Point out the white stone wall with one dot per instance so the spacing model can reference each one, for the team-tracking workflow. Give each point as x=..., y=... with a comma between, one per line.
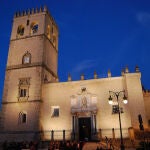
x=43, y=62
x=11, y=89
x=135, y=95
x=11, y=118
x=59, y=94
x=50, y=21
x=18, y=48
x=50, y=56
x=147, y=104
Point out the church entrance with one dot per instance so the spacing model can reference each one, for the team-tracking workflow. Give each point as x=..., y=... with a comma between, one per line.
x=85, y=129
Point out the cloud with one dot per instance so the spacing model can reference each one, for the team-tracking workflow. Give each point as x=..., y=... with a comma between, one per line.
x=84, y=65
x=143, y=18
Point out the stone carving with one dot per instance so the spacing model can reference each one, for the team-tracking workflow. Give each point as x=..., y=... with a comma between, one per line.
x=83, y=101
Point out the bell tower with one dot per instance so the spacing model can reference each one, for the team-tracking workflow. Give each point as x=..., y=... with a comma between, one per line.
x=32, y=60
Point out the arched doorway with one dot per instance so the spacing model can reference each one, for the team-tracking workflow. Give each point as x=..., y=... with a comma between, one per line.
x=84, y=110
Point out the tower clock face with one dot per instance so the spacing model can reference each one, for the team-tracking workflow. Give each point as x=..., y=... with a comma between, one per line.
x=26, y=59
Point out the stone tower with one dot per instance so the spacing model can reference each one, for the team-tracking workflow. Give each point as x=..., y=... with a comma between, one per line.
x=32, y=60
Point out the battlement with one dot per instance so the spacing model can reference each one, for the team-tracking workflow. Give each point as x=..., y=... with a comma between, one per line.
x=109, y=75
x=35, y=11
x=31, y=12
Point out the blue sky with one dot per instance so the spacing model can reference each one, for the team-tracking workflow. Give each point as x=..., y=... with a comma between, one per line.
x=94, y=35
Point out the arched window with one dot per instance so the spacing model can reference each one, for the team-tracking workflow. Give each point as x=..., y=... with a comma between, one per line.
x=34, y=28
x=26, y=58
x=22, y=117
x=20, y=30
x=48, y=32
x=54, y=40
x=23, y=89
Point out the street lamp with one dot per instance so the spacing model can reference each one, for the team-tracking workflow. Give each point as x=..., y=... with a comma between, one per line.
x=117, y=95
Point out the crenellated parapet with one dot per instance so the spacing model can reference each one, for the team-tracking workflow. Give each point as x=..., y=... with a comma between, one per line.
x=109, y=74
x=31, y=11
x=34, y=11
x=126, y=70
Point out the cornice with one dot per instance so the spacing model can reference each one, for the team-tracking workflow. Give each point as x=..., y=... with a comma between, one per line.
x=32, y=36
x=27, y=101
x=37, y=64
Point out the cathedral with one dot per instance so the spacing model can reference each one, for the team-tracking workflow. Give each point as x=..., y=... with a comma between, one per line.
x=35, y=105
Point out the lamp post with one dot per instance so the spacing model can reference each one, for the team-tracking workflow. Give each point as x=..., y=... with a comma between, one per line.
x=118, y=95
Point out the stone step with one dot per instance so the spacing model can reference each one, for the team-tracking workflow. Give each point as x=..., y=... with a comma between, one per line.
x=92, y=146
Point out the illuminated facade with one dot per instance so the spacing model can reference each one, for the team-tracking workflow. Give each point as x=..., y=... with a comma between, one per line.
x=36, y=105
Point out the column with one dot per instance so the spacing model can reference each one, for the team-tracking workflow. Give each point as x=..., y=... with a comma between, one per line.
x=100, y=133
x=95, y=128
x=93, y=119
x=131, y=133
x=73, y=127
x=52, y=135
x=113, y=133
x=63, y=135
x=92, y=124
x=76, y=127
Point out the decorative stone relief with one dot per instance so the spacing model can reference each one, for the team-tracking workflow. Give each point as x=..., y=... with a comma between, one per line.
x=83, y=101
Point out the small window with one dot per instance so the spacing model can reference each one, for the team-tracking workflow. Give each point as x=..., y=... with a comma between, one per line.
x=20, y=30
x=22, y=117
x=52, y=29
x=48, y=32
x=26, y=58
x=54, y=41
x=23, y=93
x=28, y=21
x=34, y=28
x=55, y=111
x=115, y=109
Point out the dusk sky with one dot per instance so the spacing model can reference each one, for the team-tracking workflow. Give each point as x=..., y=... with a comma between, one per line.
x=94, y=35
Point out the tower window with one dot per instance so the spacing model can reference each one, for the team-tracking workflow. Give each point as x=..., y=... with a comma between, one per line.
x=48, y=32
x=23, y=92
x=22, y=117
x=52, y=30
x=20, y=30
x=24, y=84
x=54, y=41
x=26, y=58
x=34, y=28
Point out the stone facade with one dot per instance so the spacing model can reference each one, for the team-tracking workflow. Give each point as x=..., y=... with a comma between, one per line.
x=147, y=104
x=36, y=106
